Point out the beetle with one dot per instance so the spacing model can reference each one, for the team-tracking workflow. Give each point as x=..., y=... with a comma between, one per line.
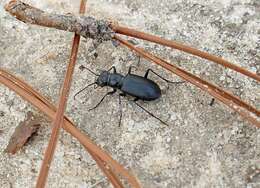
x=139, y=87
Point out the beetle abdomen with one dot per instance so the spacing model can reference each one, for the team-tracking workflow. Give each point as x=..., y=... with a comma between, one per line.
x=140, y=87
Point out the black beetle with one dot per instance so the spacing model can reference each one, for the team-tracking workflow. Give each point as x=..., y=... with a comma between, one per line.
x=131, y=84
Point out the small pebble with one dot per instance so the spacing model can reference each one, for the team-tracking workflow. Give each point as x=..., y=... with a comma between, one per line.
x=222, y=78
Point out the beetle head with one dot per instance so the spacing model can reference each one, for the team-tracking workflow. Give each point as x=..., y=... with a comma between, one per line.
x=102, y=79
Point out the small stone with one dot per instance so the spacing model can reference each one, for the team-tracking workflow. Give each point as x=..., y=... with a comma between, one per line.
x=222, y=78
x=173, y=117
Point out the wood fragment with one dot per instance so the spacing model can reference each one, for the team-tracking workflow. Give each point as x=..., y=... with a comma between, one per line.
x=85, y=26
x=23, y=132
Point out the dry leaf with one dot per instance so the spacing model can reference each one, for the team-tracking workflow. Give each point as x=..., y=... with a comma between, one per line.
x=22, y=133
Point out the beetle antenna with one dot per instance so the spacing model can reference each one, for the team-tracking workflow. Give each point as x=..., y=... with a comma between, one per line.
x=83, y=90
x=83, y=67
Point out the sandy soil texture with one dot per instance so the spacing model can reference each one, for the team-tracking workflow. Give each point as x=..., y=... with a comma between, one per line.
x=204, y=146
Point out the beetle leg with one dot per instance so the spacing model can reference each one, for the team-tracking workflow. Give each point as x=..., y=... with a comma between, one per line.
x=151, y=114
x=168, y=81
x=120, y=110
x=114, y=69
x=212, y=102
x=130, y=69
x=108, y=93
x=139, y=59
x=136, y=99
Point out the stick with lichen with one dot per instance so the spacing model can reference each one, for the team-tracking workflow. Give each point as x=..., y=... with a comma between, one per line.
x=85, y=26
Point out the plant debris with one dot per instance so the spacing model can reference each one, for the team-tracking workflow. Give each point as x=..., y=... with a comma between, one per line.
x=85, y=26
x=22, y=133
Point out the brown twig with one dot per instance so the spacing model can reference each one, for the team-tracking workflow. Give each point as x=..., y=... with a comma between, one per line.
x=152, y=38
x=30, y=95
x=85, y=26
x=107, y=171
x=245, y=110
x=58, y=121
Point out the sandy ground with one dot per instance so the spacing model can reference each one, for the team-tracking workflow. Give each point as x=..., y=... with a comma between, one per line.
x=204, y=146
